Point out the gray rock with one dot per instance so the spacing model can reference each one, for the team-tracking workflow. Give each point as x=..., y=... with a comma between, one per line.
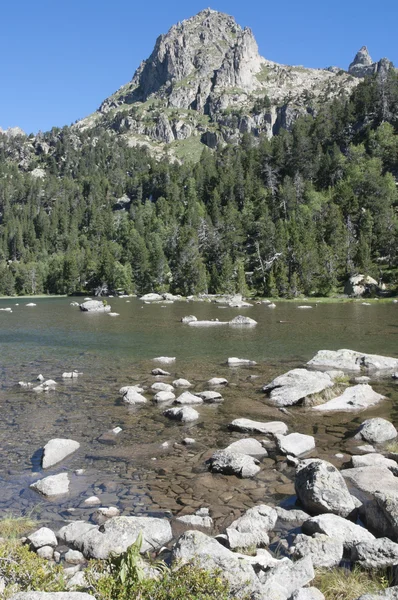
x=210, y=555
x=376, y=431
x=388, y=594
x=350, y=360
x=288, y=575
x=152, y=297
x=133, y=397
x=189, y=441
x=381, y=513
x=217, y=381
x=241, y=320
x=215, y=323
x=94, y=306
x=166, y=360
x=368, y=480
x=54, y=485
x=238, y=362
x=310, y=593
x=295, y=444
x=248, y=446
x=233, y=463
x=46, y=552
x=52, y=596
x=248, y=426
x=353, y=398
x=185, y=414
x=291, y=516
x=337, y=528
x=297, y=385
x=182, y=383
x=78, y=580
x=159, y=386
x=103, y=513
x=131, y=388
x=375, y=554
x=160, y=372
x=164, y=397
x=321, y=489
x=42, y=537
x=373, y=460
x=73, y=533
x=189, y=319
x=196, y=520
x=117, y=534
x=210, y=397
x=56, y=450
x=74, y=557
x=252, y=528
x=324, y=551
x=186, y=399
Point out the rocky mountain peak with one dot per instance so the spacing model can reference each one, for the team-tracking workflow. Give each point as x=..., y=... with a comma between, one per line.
x=362, y=57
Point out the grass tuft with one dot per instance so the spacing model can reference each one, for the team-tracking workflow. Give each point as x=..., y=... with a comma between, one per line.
x=12, y=527
x=342, y=584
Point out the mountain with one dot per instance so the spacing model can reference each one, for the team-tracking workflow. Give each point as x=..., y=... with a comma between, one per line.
x=205, y=83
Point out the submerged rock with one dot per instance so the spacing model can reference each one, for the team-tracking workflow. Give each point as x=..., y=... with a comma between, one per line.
x=210, y=397
x=233, y=463
x=237, y=362
x=56, y=450
x=183, y=383
x=189, y=319
x=217, y=381
x=160, y=372
x=321, y=488
x=165, y=359
x=164, y=397
x=162, y=387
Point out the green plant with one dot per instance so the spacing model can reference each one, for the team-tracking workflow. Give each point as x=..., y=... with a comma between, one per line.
x=340, y=583
x=12, y=527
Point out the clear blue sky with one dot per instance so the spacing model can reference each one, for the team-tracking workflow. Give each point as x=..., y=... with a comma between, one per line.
x=61, y=58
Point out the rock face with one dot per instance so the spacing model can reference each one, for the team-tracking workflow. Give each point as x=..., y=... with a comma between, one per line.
x=363, y=66
x=321, y=489
x=350, y=360
x=296, y=385
x=357, y=397
x=55, y=485
x=357, y=285
x=233, y=463
x=56, y=450
x=94, y=306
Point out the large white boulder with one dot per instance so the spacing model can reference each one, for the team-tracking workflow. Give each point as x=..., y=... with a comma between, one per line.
x=296, y=385
x=357, y=397
x=94, y=306
x=248, y=426
x=56, y=450
x=54, y=485
x=351, y=360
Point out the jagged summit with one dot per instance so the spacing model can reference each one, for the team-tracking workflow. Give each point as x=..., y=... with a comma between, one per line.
x=206, y=83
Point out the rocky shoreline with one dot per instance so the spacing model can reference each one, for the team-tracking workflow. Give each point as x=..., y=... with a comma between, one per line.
x=341, y=516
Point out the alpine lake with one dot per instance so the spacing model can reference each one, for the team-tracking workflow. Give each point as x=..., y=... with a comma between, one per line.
x=138, y=472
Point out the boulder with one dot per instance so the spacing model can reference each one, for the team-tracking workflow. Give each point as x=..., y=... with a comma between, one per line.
x=387, y=594
x=233, y=463
x=164, y=397
x=132, y=397
x=196, y=520
x=56, y=450
x=73, y=533
x=249, y=446
x=152, y=298
x=189, y=319
x=238, y=362
x=241, y=320
x=350, y=360
x=42, y=537
x=287, y=576
x=373, y=460
x=357, y=285
x=251, y=529
x=375, y=554
x=337, y=528
x=354, y=398
x=185, y=414
x=376, y=431
x=46, y=552
x=217, y=381
x=54, y=485
x=186, y=398
x=210, y=397
x=295, y=444
x=131, y=388
x=160, y=386
x=308, y=593
x=118, y=533
x=369, y=480
x=167, y=360
x=160, y=372
x=209, y=554
x=291, y=515
x=297, y=385
x=74, y=557
x=248, y=426
x=381, y=513
x=324, y=551
x=182, y=383
x=94, y=306
x=321, y=488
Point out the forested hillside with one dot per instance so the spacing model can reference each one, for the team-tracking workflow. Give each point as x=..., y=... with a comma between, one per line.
x=293, y=215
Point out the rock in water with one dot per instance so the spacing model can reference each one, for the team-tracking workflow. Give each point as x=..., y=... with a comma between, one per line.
x=94, y=306
x=237, y=362
x=249, y=446
x=295, y=444
x=54, y=485
x=56, y=450
x=353, y=398
x=321, y=488
x=296, y=385
x=233, y=463
x=186, y=398
x=189, y=319
x=241, y=320
x=247, y=425
x=350, y=360
x=376, y=431
x=185, y=414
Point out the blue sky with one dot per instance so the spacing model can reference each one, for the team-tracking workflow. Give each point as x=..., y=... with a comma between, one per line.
x=61, y=58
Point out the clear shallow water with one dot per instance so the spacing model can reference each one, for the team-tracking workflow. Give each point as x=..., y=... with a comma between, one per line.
x=54, y=337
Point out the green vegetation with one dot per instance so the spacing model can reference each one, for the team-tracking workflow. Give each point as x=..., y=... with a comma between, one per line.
x=12, y=527
x=341, y=584
x=291, y=216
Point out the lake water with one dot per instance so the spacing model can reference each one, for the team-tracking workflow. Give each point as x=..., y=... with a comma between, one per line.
x=138, y=474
